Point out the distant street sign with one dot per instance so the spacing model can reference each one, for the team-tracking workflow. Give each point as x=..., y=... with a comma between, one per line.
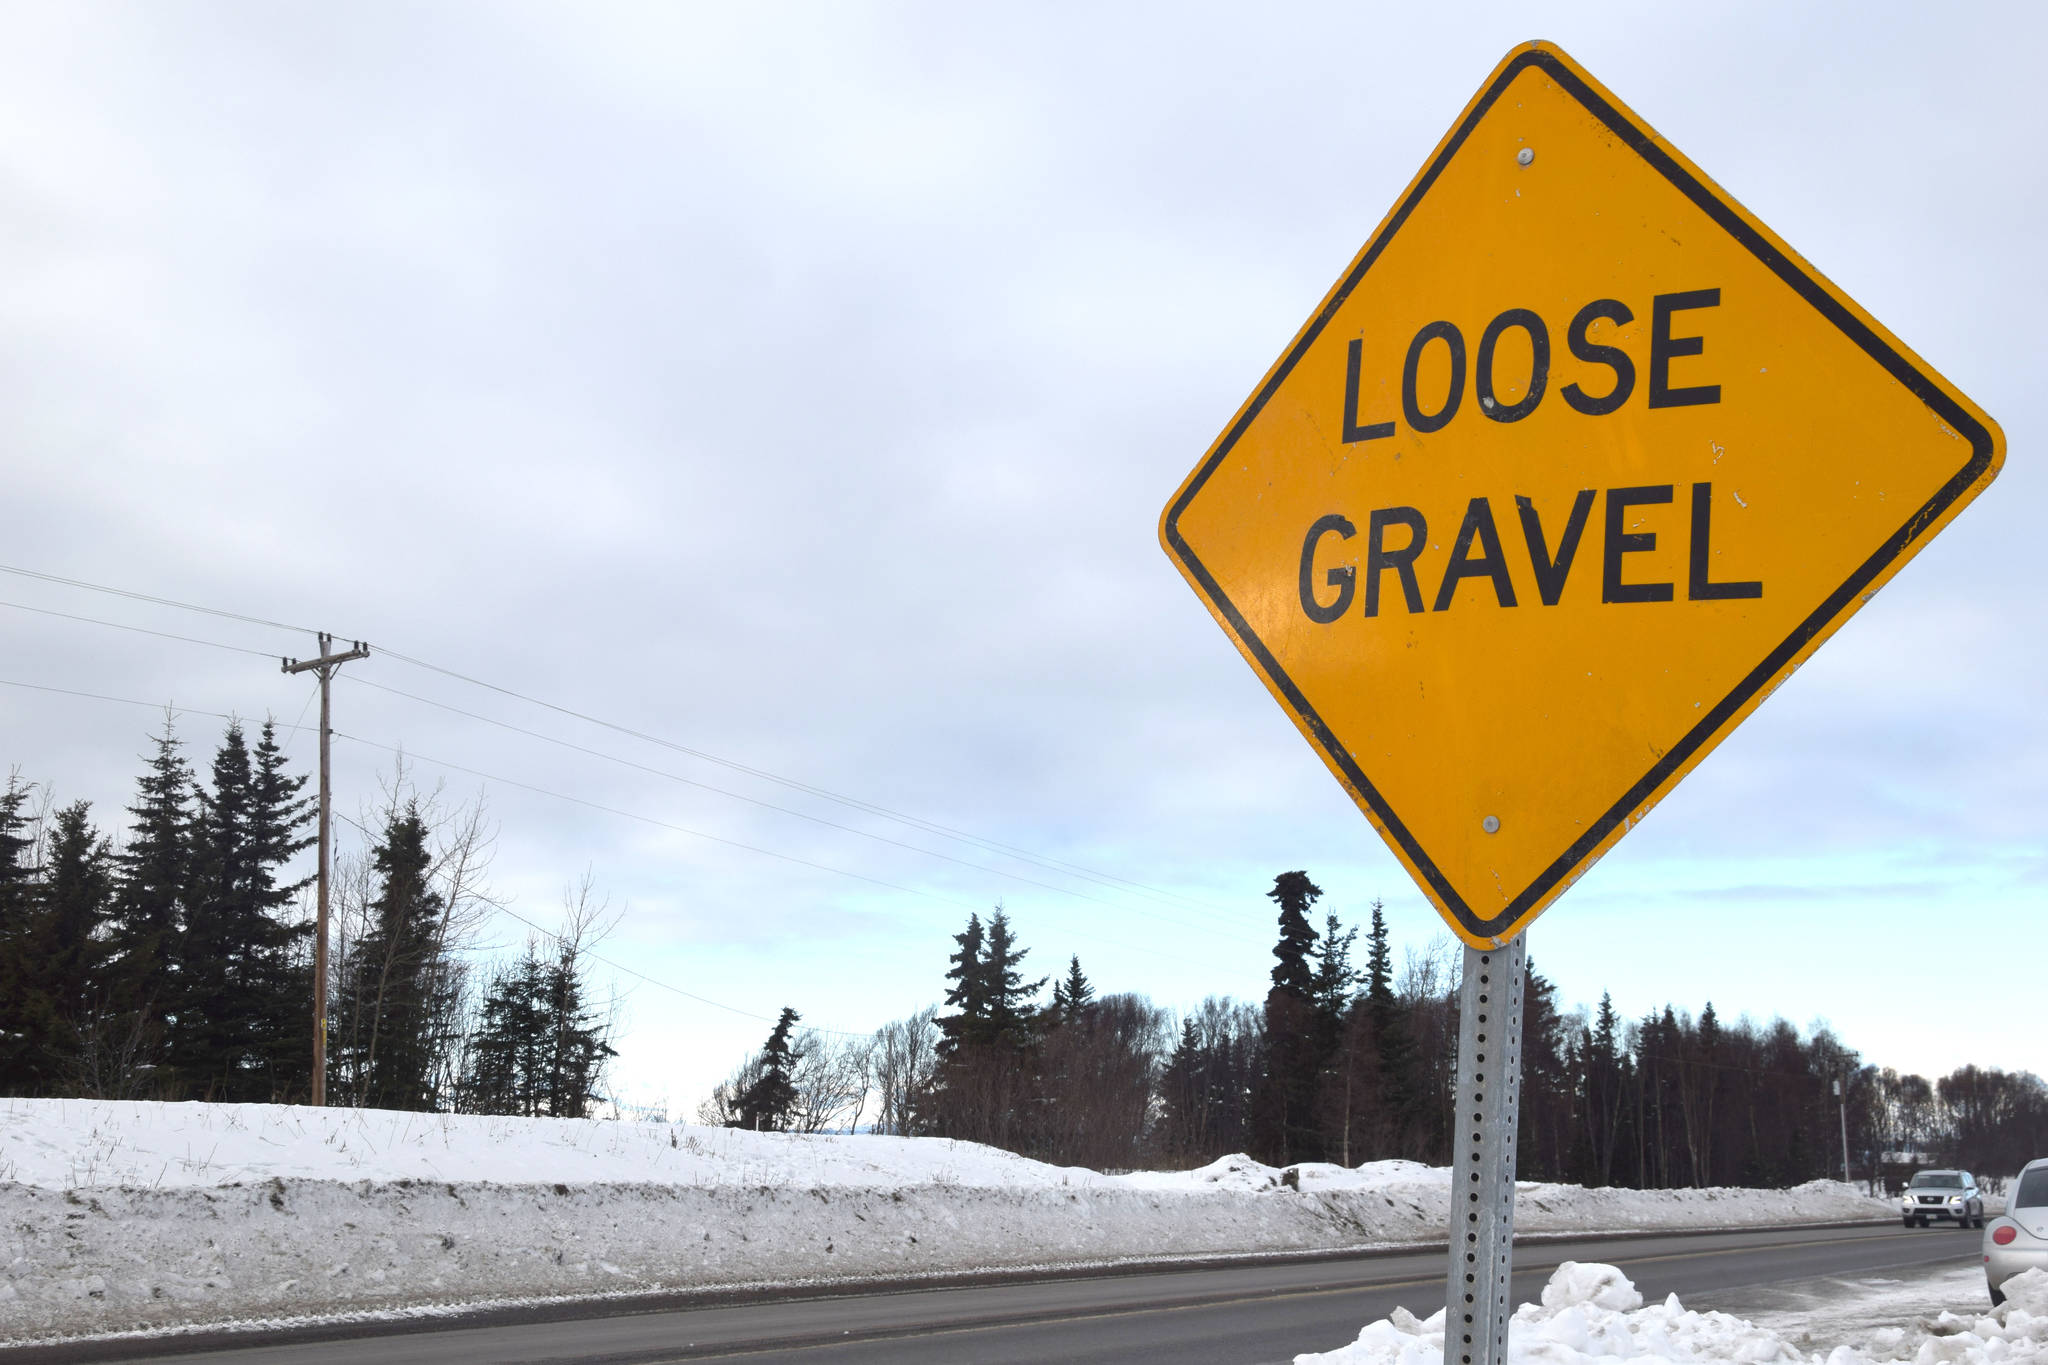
x=1574, y=464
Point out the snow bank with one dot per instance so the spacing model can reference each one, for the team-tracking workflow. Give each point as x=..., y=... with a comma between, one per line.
x=129, y=1216
x=79, y=1144
x=1592, y=1315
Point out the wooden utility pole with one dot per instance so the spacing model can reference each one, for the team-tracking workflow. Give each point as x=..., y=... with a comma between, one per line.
x=324, y=666
x=1842, y=1093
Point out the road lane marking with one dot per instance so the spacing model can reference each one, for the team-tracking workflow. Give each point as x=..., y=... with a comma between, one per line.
x=1055, y=1318
x=1048, y=1320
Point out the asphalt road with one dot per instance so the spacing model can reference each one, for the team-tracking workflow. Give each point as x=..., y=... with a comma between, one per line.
x=1237, y=1315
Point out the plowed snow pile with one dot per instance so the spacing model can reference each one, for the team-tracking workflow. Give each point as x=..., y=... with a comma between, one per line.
x=1592, y=1315
x=125, y=1216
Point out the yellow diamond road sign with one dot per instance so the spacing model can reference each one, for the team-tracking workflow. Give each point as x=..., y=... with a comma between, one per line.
x=1574, y=464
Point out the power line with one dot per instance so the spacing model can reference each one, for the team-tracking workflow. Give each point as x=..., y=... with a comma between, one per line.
x=1148, y=952
x=139, y=630
x=147, y=597
x=1046, y=862
x=650, y=820
x=721, y=791
x=221, y=715
x=678, y=990
x=125, y=701
x=734, y=843
x=489, y=777
x=295, y=727
x=750, y=800
x=854, y=802
x=621, y=967
x=732, y=1009
x=300, y=724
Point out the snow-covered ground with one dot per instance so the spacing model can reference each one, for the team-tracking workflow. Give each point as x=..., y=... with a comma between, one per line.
x=1592, y=1315
x=129, y=1216
x=1872, y=1312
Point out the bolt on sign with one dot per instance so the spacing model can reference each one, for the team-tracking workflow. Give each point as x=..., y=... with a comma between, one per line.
x=1574, y=464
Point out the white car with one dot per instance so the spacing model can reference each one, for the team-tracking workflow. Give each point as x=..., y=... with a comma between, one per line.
x=2019, y=1241
x=1942, y=1196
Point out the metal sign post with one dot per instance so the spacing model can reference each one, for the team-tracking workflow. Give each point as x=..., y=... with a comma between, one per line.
x=1477, y=1303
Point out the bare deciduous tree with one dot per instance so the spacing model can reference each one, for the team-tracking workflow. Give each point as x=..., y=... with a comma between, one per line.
x=904, y=1063
x=1205, y=1087
x=1429, y=996
x=832, y=1079
x=721, y=1108
x=113, y=1056
x=461, y=844
x=1098, y=1074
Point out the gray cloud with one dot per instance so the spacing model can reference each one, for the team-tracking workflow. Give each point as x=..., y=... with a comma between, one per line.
x=805, y=387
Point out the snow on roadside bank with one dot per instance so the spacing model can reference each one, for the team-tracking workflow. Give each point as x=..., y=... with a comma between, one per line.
x=123, y=1216
x=1592, y=1315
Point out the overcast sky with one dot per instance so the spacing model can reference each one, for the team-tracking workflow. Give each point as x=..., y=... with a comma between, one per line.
x=803, y=386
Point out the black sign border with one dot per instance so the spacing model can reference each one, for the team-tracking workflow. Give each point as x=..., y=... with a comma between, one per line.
x=1785, y=268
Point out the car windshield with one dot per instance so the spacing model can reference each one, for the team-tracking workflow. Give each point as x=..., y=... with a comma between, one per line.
x=2033, y=1190
x=1940, y=1180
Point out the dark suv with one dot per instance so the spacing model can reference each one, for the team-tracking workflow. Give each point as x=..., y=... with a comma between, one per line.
x=1942, y=1196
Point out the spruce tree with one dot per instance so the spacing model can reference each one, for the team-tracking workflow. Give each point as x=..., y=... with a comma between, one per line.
x=1212, y=1082
x=1379, y=957
x=394, y=1009
x=538, y=1048
x=1284, y=1104
x=1337, y=1040
x=1182, y=1086
x=77, y=900
x=17, y=845
x=1399, y=1085
x=1011, y=1016
x=1071, y=994
x=993, y=999
x=507, y=1050
x=1294, y=893
x=969, y=992
x=577, y=1042
x=1708, y=1087
x=1546, y=1097
x=154, y=872
x=210, y=1048
x=23, y=996
x=1602, y=1051
x=983, y=1088
x=1334, y=978
x=766, y=1104
x=281, y=967
x=244, y=988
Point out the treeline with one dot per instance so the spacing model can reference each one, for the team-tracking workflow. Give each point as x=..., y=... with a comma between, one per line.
x=177, y=962
x=1348, y=1059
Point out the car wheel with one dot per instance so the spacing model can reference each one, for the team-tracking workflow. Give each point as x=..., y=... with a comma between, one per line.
x=1996, y=1297
x=1905, y=1220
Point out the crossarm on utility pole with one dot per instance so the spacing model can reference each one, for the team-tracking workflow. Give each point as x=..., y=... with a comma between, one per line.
x=324, y=667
